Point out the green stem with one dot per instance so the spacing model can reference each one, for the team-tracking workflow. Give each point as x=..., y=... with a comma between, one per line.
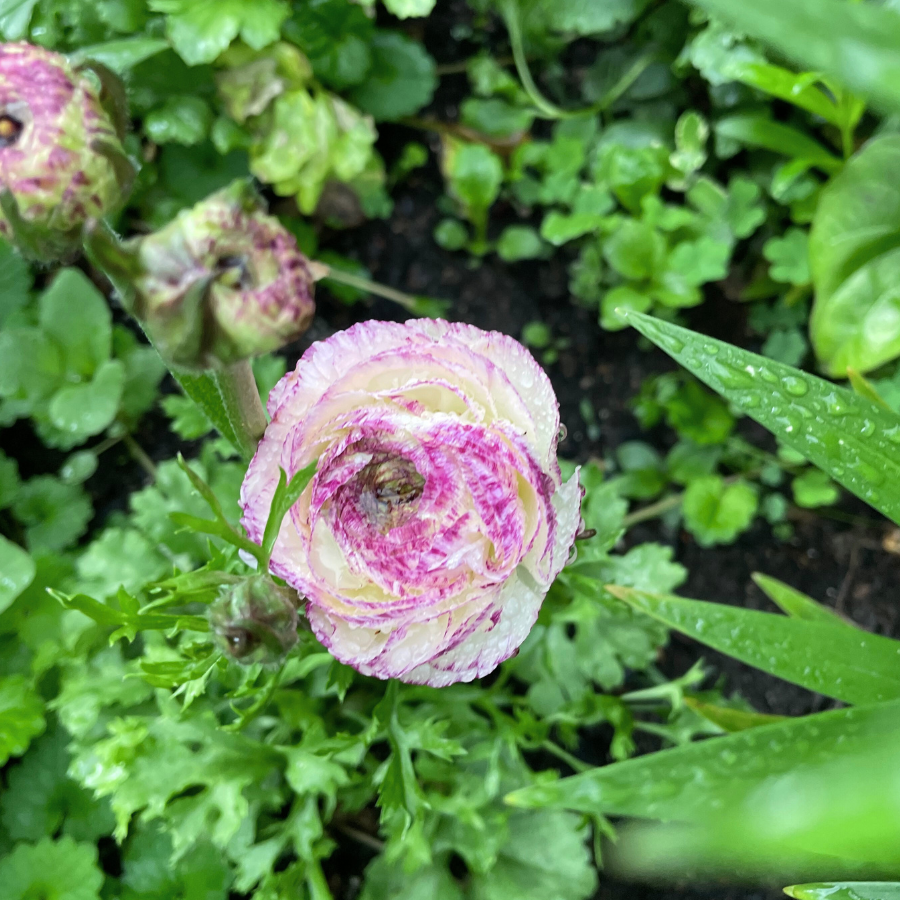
x=230, y=400
x=365, y=284
x=514, y=27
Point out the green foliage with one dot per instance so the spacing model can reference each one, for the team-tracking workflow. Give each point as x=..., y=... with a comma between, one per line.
x=853, y=256
x=64, y=364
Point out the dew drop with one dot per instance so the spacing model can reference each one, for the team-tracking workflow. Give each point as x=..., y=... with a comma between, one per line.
x=867, y=429
x=796, y=386
x=573, y=555
x=672, y=344
x=711, y=349
x=893, y=434
x=562, y=434
x=768, y=375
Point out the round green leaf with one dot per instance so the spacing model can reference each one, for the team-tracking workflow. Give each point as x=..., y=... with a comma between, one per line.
x=16, y=571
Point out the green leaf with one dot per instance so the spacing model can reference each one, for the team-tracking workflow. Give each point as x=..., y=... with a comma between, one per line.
x=845, y=890
x=797, y=604
x=21, y=717
x=202, y=29
x=789, y=257
x=286, y=495
x=475, y=175
x=716, y=512
x=635, y=249
x=18, y=571
x=55, y=870
x=757, y=130
x=76, y=315
x=82, y=410
x=405, y=9
x=9, y=480
x=854, y=250
x=15, y=17
x=55, y=514
x=120, y=56
x=401, y=81
x=181, y=120
x=852, y=439
x=40, y=798
x=586, y=16
x=844, y=663
x=687, y=783
x=854, y=43
x=543, y=858
x=15, y=282
x=729, y=719
x=813, y=489
x=519, y=242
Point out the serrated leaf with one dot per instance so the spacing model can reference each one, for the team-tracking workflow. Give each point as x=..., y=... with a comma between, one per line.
x=716, y=512
x=401, y=80
x=21, y=716
x=76, y=315
x=855, y=441
x=844, y=663
x=56, y=870
x=202, y=29
x=687, y=783
x=82, y=410
x=55, y=514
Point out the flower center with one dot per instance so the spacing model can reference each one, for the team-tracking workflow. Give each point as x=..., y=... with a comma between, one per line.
x=10, y=130
x=389, y=490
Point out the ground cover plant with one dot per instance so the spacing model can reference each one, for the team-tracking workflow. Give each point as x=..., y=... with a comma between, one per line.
x=309, y=594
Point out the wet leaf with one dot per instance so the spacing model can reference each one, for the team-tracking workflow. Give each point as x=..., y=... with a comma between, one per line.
x=16, y=571
x=845, y=663
x=851, y=438
x=689, y=783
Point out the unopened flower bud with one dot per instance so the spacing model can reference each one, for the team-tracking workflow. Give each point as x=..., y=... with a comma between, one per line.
x=223, y=282
x=256, y=621
x=61, y=159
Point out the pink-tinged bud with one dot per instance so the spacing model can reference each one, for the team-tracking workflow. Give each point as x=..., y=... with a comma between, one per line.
x=223, y=282
x=255, y=621
x=61, y=159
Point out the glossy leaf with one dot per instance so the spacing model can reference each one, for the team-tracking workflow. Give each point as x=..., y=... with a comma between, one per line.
x=856, y=43
x=761, y=131
x=690, y=782
x=16, y=571
x=855, y=441
x=729, y=719
x=845, y=663
x=854, y=250
x=845, y=890
x=796, y=604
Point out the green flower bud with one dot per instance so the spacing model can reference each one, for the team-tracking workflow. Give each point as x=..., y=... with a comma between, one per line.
x=224, y=281
x=256, y=621
x=61, y=159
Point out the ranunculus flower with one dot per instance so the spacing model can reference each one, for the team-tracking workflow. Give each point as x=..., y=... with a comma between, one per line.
x=60, y=154
x=437, y=519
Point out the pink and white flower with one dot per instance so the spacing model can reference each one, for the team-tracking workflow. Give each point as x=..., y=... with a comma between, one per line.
x=437, y=518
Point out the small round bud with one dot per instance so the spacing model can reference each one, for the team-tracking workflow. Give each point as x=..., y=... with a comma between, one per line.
x=256, y=621
x=224, y=281
x=61, y=159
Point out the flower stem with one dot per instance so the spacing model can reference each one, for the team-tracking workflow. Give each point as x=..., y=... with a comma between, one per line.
x=416, y=305
x=230, y=400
